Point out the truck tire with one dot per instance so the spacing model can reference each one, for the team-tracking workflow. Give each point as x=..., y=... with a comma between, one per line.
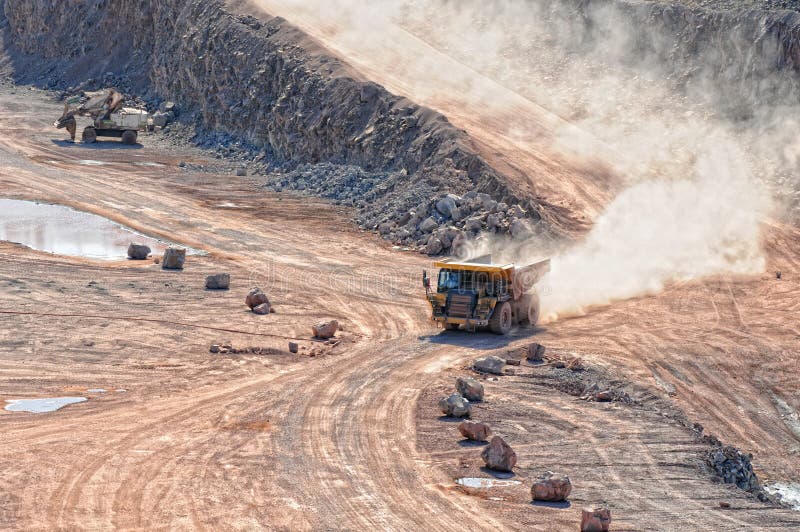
x=501, y=320
x=451, y=326
x=533, y=310
x=89, y=135
x=129, y=137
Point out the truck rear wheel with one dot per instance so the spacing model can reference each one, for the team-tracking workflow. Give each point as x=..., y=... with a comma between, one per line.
x=451, y=326
x=533, y=310
x=501, y=320
x=89, y=135
x=129, y=137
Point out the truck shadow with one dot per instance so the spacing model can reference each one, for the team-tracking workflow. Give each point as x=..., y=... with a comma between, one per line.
x=480, y=340
x=98, y=145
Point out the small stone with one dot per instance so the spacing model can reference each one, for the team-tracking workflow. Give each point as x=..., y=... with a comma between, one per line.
x=551, y=487
x=174, y=259
x=218, y=281
x=723, y=504
x=513, y=361
x=535, y=352
x=471, y=389
x=293, y=347
x=595, y=519
x=263, y=308
x=475, y=431
x=241, y=172
x=558, y=363
x=455, y=406
x=490, y=364
x=428, y=225
x=325, y=329
x=498, y=455
x=138, y=251
x=255, y=297
x=603, y=397
x=214, y=348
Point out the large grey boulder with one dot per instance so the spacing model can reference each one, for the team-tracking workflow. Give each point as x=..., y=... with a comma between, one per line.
x=255, y=298
x=551, y=487
x=173, y=259
x=325, y=329
x=490, y=364
x=499, y=455
x=138, y=251
x=447, y=205
x=471, y=389
x=455, y=406
x=428, y=225
x=218, y=281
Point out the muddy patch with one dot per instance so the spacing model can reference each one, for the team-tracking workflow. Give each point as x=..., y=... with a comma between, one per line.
x=40, y=406
x=65, y=231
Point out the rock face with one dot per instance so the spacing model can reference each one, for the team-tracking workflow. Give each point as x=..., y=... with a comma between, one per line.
x=173, y=259
x=325, y=329
x=255, y=297
x=595, y=519
x=551, y=487
x=455, y=406
x=498, y=455
x=490, y=364
x=471, y=389
x=218, y=281
x=475, y=431
x=138, y=251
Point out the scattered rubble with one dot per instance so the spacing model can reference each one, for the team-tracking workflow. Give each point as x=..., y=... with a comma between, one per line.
x=255, y=298
x=498, y=455
x=173, y=259
x=595, y=519
x=490, y=364
x=551, y=487
x=471, y=389
x=218, y=281
x=475, y=431
x=455, y=406
x=227, y=349
x=325, y=329
x=138, y=251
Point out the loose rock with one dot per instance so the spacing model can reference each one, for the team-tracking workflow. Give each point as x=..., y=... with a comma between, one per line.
x=255, y=298
x=475, y=431
x=138, y=251
x=263, y=308
x=490, y=364
x=293, y=347
x=535, y=352
x=498, y=455
x=595, y=519
x=325, y=329
x=471, y=389
x=173, y=259
x=455, y=406
x=551, y=487
x=218, y=281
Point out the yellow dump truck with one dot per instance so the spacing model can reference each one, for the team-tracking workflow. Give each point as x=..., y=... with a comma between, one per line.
x=477, y=294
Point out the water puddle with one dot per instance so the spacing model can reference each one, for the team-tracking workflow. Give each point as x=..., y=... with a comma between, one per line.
x=485, y=483
x=147, y=163
x=39, y=406
x=96, y=390
x=66, y=231
x=91, y=162
x=789, y=492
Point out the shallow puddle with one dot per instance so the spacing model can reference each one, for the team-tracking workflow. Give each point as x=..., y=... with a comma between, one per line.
x=66, y=231
x=485, y=483
x=39, y=406
x=91, y=162
x=789, y=492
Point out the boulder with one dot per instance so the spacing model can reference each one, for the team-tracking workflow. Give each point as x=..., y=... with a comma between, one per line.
x=434, y=245
x=173, y=259
x=471, y=389
x=428, y=225
x=455, y=406
x=325, y=329
x=498, y=455
x=595, y=519
x=475, y=431
x=551, y=487
x=255, y=298
x=138, y=251
x=161, y=119
x=535, y=352
x=263, y=308
x=218, y=281
x=492, y=221
x=519, y=229
x=490, y=364
x=446, y=205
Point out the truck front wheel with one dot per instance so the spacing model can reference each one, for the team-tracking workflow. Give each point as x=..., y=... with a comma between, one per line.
x=500, y=322
x=89, y=135
x=129, y=137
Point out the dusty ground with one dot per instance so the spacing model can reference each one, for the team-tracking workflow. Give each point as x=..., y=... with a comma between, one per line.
x=336, y=441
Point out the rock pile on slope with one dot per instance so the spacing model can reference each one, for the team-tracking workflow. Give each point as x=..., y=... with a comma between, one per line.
x=734, y=467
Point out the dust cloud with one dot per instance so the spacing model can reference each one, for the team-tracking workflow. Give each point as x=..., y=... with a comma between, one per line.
x=704, y=156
